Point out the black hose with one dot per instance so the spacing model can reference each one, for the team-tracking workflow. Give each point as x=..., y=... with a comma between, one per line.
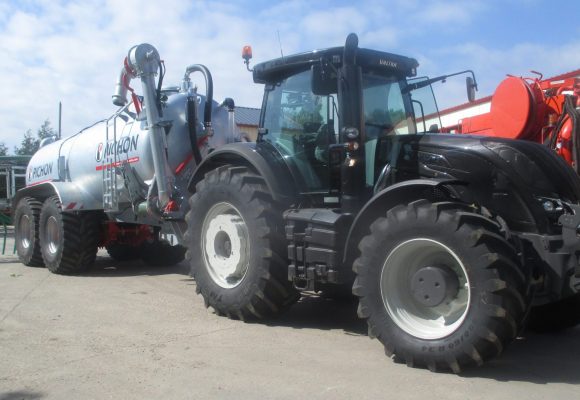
x=208, y=90
x=192, y=128
x=570, y=108
x=159, y=85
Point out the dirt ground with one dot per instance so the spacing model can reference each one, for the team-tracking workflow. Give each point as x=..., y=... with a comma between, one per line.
x=127, y=331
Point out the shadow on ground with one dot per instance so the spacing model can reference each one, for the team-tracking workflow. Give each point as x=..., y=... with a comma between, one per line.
x=21, y=395
x=107, y=267
x=535, y=358
x=316, y=312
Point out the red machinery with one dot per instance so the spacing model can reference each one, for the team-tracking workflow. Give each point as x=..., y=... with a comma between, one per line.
x=544, y=111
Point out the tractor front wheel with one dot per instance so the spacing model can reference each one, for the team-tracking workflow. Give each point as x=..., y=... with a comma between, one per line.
x=439, y=286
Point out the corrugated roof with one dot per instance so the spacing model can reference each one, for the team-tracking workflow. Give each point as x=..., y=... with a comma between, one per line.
x=247, y=116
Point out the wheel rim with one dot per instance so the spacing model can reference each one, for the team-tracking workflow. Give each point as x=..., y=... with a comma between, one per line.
x=225, y=245
x=404, y=267
x=52, y=235
x=25, y=231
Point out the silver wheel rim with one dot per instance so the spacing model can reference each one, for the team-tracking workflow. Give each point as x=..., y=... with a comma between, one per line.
x=25, y=231
x=52, y=235
x=225, y=245
x=414, y=318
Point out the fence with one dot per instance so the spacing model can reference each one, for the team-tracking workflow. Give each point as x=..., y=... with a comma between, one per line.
x=12, y=178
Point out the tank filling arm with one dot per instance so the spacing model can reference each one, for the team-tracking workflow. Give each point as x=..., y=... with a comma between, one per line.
x=143, y=62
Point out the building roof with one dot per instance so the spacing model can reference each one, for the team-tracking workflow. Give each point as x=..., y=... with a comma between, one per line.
x=247, y=116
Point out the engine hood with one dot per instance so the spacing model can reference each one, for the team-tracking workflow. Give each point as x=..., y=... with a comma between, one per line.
x=511, y=177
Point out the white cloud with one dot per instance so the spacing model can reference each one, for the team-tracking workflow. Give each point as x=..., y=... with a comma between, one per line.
x=72, y=51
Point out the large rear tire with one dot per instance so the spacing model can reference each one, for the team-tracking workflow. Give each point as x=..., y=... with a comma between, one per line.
x=68, y=241
x=236, y=245
x=439, y=286
x=555, y=317
x=26, y=232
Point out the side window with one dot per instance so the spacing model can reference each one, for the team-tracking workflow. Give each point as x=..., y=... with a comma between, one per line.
x=424, y=106
x=301, y=125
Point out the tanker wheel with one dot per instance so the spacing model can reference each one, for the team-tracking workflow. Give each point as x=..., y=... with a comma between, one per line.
x=236, y=243
x=439, y=286
x=557, y=316
x=26, y=228
x=160, y=253
x=68, y=241
x=123, y=252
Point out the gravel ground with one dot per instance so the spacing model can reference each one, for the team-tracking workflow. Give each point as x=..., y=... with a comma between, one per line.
x=127, y=331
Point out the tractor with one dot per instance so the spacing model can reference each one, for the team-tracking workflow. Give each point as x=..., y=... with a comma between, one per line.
x=449, y=242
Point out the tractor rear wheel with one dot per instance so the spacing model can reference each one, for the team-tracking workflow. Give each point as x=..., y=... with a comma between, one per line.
x=26, y=227
x=68, y=241
x=236, y=245
x=439, y=286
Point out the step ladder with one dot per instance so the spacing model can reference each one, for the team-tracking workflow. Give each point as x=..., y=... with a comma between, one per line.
x=109, y=165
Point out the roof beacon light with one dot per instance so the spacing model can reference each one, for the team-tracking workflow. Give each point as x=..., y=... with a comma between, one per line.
x=247, y=56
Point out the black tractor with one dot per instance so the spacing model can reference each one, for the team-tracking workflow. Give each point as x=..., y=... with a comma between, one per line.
x=449, y=241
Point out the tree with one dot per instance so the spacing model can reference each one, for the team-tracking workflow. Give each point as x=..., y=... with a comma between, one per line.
x=3, y=149
x=31, y=143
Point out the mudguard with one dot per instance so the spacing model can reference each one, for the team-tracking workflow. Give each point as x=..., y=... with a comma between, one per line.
x=264, y=161
x=72, y=197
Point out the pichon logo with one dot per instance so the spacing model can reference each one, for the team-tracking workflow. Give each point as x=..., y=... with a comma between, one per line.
x=121, y=146
x=39, y=171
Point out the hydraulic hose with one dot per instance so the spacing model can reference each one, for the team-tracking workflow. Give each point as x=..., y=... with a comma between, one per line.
x=192, y=107
x=208, y=90
x=192, y=128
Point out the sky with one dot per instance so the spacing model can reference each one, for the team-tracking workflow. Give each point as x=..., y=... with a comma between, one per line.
x=72, y=51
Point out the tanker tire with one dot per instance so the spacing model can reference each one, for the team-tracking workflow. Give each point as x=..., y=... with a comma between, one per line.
x=161, y=253
x=26, y=226
x=557, y=316
x=494, y=285
x=68, y=241
x=259, y=287
x=123, y=252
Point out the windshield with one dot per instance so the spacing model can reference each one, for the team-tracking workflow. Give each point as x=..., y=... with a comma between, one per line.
x=385, y=112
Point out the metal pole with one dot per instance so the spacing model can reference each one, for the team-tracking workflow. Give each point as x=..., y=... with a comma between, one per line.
x=59, y=119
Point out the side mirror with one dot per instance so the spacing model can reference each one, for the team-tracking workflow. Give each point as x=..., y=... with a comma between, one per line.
x=324, y=81
x=471, y=88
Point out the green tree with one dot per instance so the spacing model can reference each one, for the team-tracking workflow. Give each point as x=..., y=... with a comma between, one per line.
x=31, y=143
x=3, y=149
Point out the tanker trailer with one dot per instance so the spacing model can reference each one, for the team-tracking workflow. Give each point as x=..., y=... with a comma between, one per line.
x=122, y=182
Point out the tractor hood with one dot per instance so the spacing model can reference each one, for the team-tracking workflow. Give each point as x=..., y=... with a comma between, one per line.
x=516, y=179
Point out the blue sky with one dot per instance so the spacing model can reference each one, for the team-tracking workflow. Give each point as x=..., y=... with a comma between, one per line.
x=71, y=51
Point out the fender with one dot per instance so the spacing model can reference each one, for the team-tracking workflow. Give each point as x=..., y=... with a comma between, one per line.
x=399, y=193
x=71, y=196
x=260, y=158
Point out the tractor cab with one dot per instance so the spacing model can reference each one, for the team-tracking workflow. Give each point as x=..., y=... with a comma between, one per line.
x=325, y=108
